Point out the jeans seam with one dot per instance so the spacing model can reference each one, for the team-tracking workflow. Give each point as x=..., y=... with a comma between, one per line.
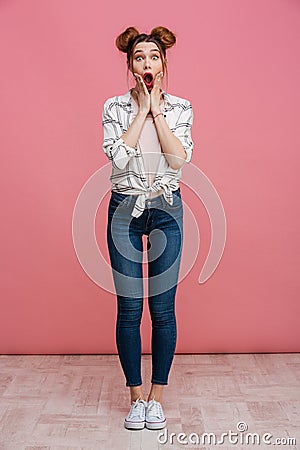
x=127, y=382
x=150, y=218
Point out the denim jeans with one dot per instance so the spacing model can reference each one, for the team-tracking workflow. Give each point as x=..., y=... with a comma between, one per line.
x=163, y=225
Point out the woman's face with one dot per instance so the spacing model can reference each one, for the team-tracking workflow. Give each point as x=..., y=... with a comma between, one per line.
x=146, y=59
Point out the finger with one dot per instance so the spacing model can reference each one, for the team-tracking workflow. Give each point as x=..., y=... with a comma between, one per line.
x=141, y=83
x=158, y=81
x=140, y=79
x=158, y=78
x=143, y=86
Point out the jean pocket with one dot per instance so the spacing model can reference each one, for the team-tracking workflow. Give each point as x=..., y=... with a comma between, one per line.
x=119, y=200
x=177, y=202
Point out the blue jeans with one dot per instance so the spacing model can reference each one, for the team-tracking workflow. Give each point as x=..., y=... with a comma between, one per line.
x=163, y=225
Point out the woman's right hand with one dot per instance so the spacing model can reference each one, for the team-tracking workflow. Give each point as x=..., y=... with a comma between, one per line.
x=142, y=94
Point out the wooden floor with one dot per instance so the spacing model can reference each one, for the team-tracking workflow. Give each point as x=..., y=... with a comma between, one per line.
x=78, y=402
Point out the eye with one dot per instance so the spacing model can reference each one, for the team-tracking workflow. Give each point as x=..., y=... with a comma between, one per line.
x=137, y=58
x=156, y=56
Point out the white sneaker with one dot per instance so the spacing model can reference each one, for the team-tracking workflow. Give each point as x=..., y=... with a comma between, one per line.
x=136, y=417
x=155, y=418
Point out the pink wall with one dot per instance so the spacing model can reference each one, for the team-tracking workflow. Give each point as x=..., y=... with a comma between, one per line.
x=237, y=62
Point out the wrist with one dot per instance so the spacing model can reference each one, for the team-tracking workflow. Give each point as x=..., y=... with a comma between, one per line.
x=157, y=116
x=142, y=112
x=155, y=112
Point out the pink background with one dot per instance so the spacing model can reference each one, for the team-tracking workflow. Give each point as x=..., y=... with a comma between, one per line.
x=238, y=64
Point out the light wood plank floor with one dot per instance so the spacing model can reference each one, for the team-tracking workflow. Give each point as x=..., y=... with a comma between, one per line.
x=78, y=402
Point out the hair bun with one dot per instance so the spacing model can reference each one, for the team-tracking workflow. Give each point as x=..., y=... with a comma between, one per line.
x=124, y=39
x=166, y=36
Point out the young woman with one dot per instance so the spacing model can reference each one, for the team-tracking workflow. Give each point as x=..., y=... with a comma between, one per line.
x=147, y=138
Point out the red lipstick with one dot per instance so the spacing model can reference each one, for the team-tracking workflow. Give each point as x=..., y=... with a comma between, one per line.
x=148, y=80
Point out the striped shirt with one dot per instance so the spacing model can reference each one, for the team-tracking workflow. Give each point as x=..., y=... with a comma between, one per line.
x=128, y=172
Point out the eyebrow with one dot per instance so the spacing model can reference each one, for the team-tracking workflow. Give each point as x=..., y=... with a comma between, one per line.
x=152, y=50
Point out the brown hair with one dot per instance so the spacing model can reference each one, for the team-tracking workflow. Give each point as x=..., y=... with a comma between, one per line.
x=161, y=36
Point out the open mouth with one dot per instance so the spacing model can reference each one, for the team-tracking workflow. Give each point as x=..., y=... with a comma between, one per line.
x=148, y=78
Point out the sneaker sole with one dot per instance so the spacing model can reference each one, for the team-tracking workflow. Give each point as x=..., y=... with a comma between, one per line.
x=155, y=425
x=134, y=425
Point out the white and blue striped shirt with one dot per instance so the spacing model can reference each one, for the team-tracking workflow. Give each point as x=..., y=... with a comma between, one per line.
x=128, y=173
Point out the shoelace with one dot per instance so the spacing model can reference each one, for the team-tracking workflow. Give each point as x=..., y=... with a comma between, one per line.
x=137, y=408
x=155, y=409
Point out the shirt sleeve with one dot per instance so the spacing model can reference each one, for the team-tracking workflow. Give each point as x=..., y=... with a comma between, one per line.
x=117, y=151
x=183, y=129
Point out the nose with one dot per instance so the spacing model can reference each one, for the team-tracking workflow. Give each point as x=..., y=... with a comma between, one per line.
x=147, y=63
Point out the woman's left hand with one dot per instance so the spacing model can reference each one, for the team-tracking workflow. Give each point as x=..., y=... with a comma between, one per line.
x=156, y=94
